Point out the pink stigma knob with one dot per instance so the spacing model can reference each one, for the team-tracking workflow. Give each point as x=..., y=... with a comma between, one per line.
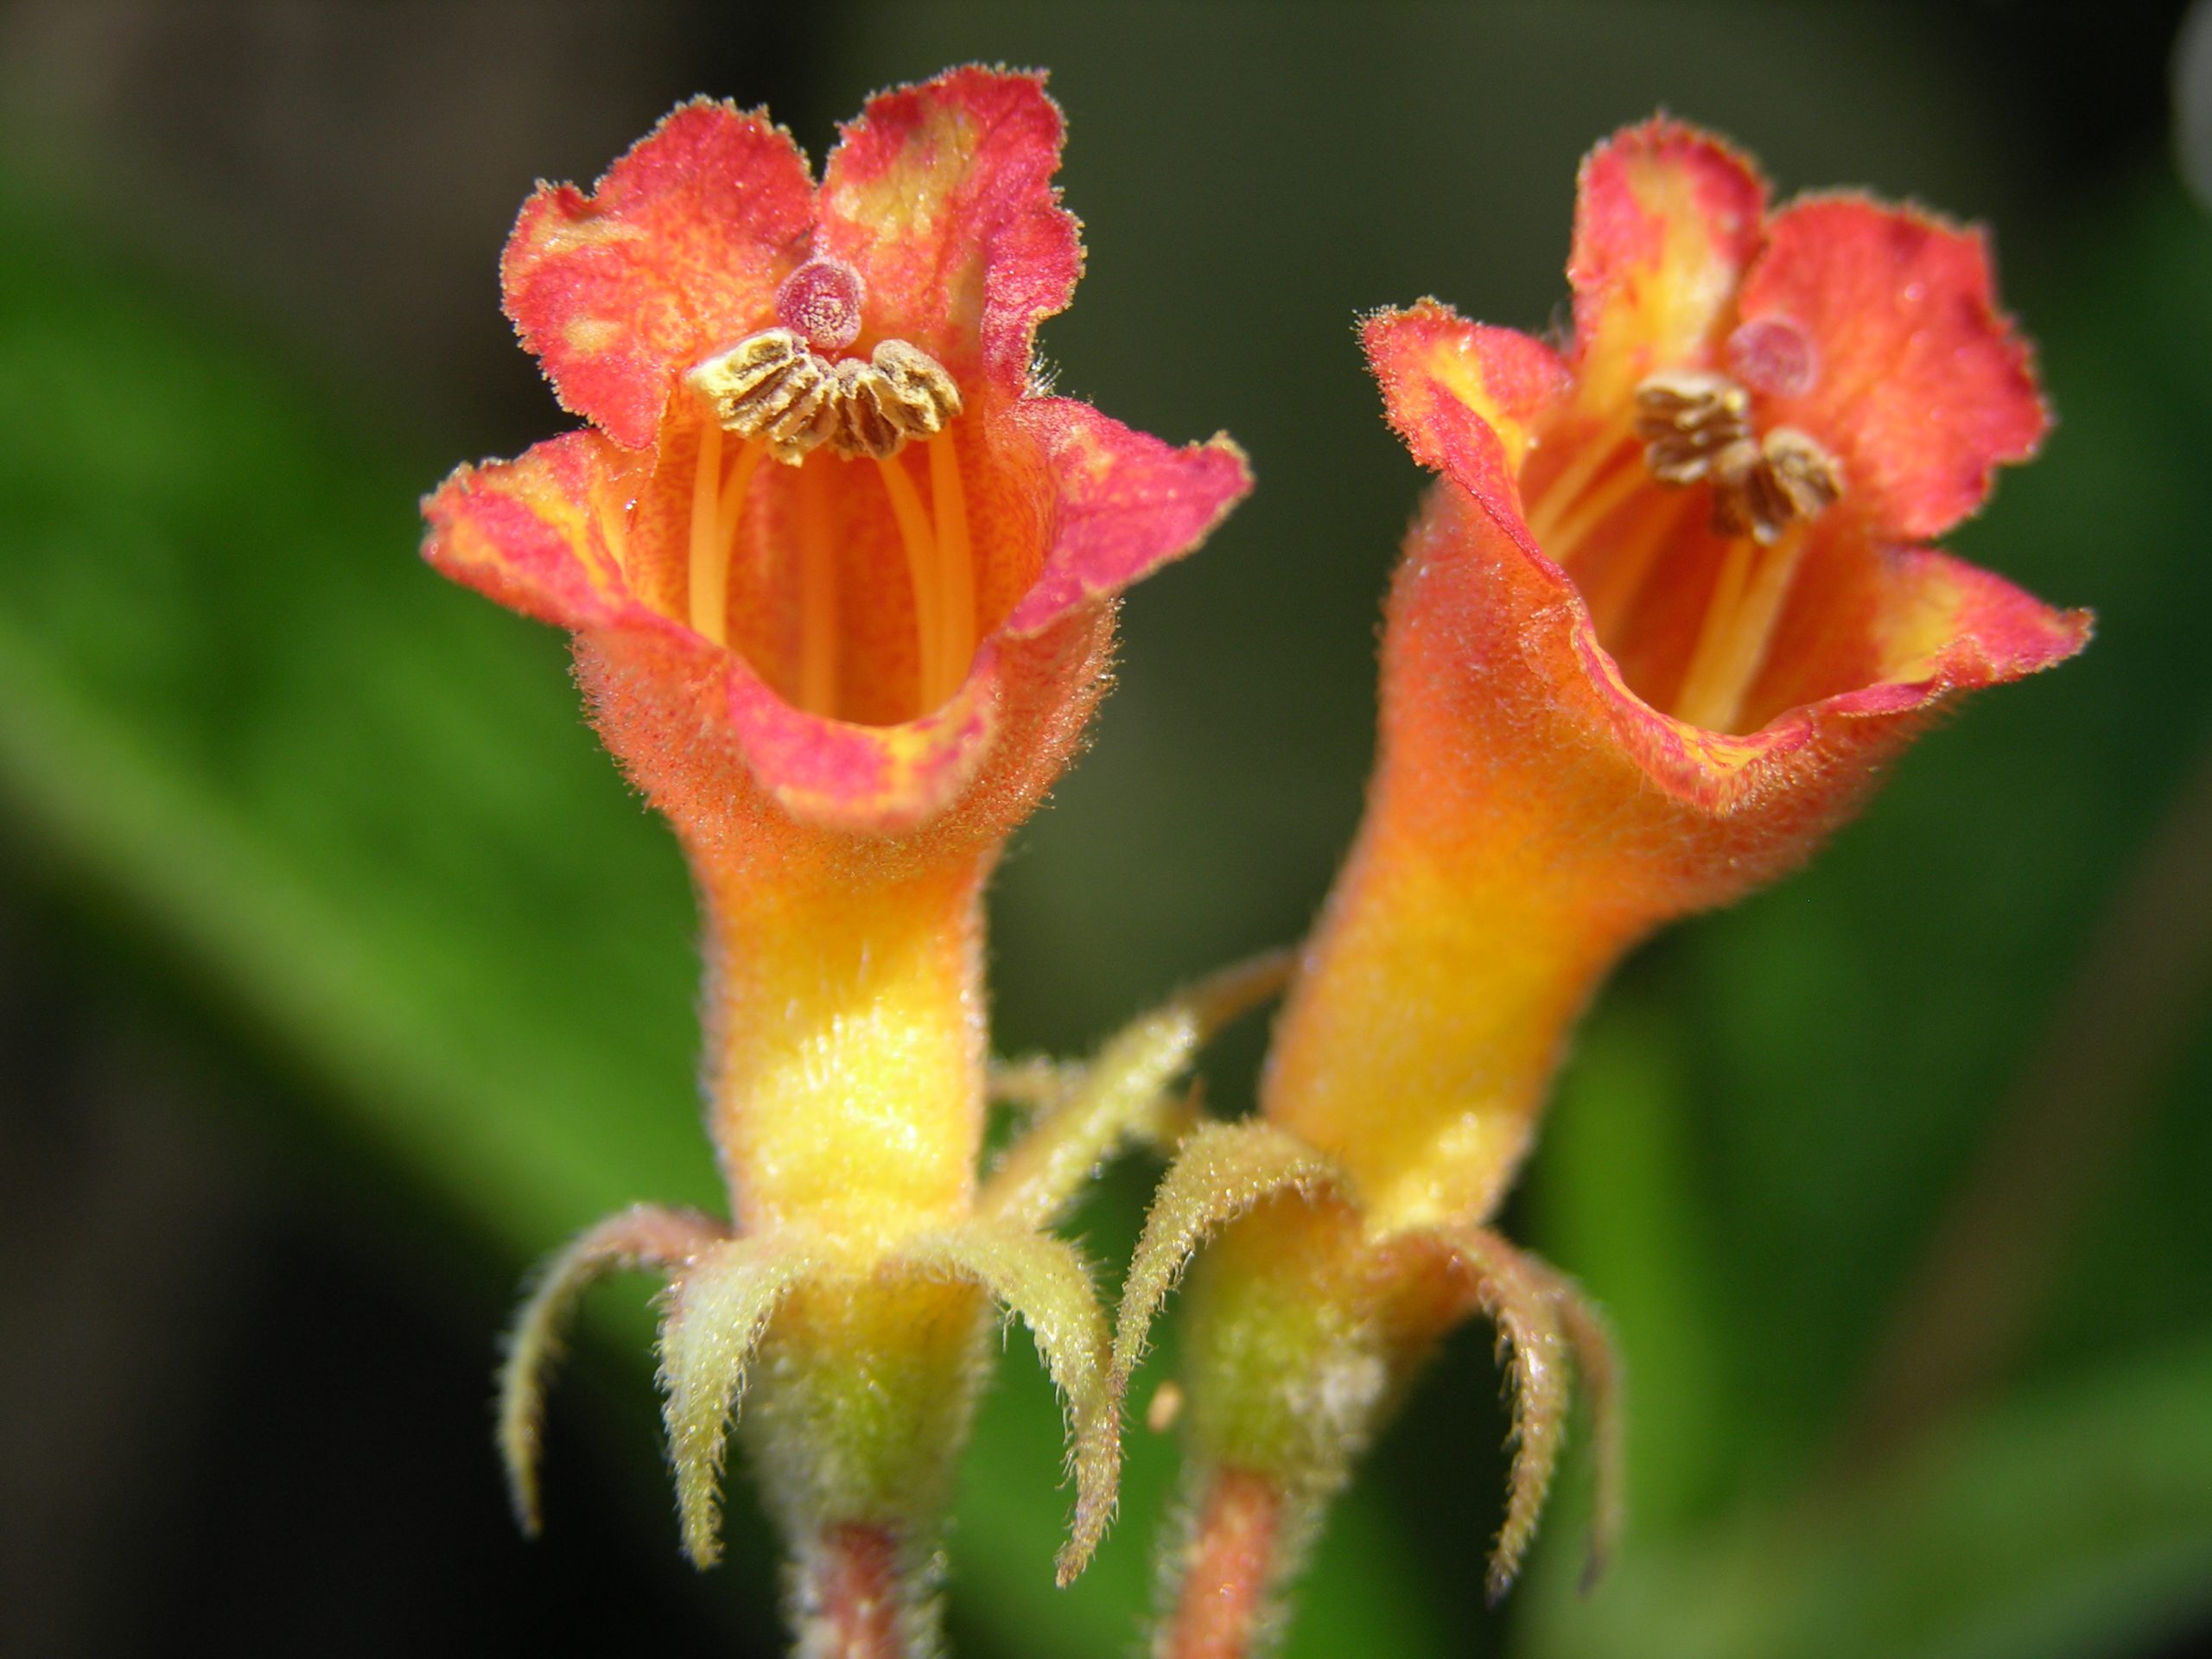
x=821, y=302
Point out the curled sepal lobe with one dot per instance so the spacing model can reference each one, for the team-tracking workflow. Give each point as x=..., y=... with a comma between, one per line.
x=718, y=1310
x=1044, y=1280
x=1544, y=1325
x=645, y=1236
x=1221, y=1172
x=1123, y=1093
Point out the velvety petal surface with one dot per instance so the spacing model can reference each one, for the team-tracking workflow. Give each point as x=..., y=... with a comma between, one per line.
x=1123, y=504
x=543, y=534
x=941, y=196
x=1429, y=357
x=1666, y=220
x=677, y=253
x=879, y=779
x=1919, y=383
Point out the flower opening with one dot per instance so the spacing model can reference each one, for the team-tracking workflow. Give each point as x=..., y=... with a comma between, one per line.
x=924, y=579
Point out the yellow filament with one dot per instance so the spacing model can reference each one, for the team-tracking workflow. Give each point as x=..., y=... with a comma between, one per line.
x=922, y=569
x=709, y=551
x=1703, y=700
x=949, y=502
x=1598, y=452
x=1561, y=533
x=1738, y=626
x=1611, y=592
x=614, y=530
x=818, y=606
x=731, y=506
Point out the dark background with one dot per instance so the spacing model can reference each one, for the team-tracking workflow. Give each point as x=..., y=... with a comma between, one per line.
x=340, y=976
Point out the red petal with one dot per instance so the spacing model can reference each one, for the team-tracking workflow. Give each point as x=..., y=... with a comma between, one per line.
x=676, y=254
x=1437, y=369
x=872, y=779
x=1123, y=504
x=1503, y=689
x=1666, y=219
x=542, y=535
x=1920, y=384
x=941, y=196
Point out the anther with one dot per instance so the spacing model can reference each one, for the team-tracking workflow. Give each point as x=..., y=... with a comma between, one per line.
x=768, y=386
x=903, y=393
x=924, y=394
x=1696, y=425
x=866, y=425
x=1687, y=420
x=1796, y=478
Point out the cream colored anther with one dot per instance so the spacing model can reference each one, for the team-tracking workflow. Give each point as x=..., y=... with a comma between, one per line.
x=1697, y=425
x=773, y=387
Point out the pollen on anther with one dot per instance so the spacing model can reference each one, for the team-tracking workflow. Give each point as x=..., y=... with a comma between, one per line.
x=821, y=302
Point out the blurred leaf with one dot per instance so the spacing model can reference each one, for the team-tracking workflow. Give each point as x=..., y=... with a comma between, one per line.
x=2071, y=1520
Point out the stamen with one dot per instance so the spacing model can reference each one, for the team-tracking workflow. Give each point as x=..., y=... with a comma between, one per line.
x=1710, y=692
x=1732, y=647
x=1689, y=420
x=1561, y=530
x=865, y=424
x=1599, y=451
x=770, y=387
x=817, y=603
x=949, y=506
x=925, y=396
x=922, y=573
x=1794, y=481
x=902, y=393
x=1609, y=591
x=1698, y=425
x=731, y=505
x=709, y=560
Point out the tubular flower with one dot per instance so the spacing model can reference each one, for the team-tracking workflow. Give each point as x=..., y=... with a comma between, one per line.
x=1659, y=625
x=842, y=579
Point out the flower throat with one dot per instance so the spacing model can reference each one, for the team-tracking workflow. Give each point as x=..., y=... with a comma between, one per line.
x=785, y=393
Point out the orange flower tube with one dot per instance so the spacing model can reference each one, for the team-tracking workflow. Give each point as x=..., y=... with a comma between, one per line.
x=1662, y=619
x=842, y=576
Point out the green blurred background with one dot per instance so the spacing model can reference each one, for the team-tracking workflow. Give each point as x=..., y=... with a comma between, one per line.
x=340, y=976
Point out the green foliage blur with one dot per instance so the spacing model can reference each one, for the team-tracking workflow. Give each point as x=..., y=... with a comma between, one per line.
x=1895, y=1178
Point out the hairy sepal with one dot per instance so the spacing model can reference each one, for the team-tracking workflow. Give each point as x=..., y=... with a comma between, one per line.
x=1123, y=1094
x=718, y=1310
x=1045, y=1281
x=1544, y=1324
x=1223, y=1170
x=645, y=1236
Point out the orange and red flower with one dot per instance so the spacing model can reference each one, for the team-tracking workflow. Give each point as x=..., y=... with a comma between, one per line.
x=1661, y=621
x=841, y=575
x=884, y=592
